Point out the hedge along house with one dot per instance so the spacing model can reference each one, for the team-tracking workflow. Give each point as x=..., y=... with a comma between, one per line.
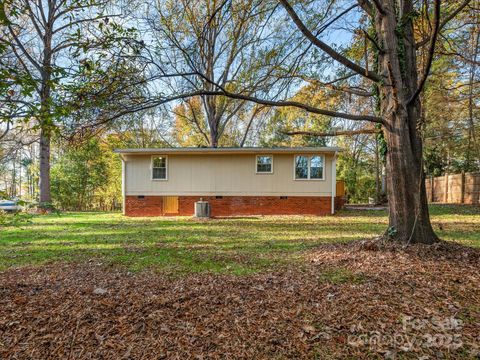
x=235, y=181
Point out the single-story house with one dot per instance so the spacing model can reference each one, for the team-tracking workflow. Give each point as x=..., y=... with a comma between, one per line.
x=235, y=181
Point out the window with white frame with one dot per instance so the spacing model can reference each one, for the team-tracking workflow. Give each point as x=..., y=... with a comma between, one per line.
x=316, y=167
x=159, y=168
x=309, y=167
x=264, y=164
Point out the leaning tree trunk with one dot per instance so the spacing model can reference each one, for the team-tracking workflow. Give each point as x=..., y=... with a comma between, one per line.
x=409, y=220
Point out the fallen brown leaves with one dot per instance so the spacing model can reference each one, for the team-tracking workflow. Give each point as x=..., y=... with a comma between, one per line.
x=62, y=311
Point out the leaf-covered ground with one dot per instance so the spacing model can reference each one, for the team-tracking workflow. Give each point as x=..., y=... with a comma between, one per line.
x=85, y=287
x=349, y=301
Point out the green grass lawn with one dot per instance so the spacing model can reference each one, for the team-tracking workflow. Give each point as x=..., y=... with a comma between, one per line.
x=184, y=245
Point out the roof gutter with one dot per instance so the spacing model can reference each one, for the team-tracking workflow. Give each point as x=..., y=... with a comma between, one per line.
x=195, y=151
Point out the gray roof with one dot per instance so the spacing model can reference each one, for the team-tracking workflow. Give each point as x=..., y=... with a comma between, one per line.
x=228, y=150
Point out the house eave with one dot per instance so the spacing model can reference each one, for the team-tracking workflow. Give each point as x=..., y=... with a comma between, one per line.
x=227, y=150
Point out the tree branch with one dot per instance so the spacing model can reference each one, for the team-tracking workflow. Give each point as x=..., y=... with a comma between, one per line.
x=342, y=14
x=295, y=104
x=77, y=22
x=333, y=133
x=379, y=7
x=22, y=48
x=431, y=52
x=374, y=42
x=347, y=90
x=252, y=117
x=7, y=129
x=367, y=6
x=445, y=21
x=326, y=48
x=287, y=103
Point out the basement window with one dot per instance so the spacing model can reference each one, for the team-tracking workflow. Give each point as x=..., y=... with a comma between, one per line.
x=264, y=164
x=159, y=167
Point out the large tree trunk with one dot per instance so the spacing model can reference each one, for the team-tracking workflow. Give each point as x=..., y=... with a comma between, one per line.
x=409, y=221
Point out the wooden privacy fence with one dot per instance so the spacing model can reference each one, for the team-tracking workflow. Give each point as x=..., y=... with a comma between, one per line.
x=454, y=188
x=340, y=191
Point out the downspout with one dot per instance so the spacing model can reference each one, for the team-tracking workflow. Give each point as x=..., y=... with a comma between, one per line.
x=124, y=178
x=334, y=180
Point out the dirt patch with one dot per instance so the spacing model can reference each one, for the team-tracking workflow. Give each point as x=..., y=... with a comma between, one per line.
x=354, y=300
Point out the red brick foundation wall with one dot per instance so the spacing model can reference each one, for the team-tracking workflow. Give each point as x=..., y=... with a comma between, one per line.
x=235, y=205
x=146, y=206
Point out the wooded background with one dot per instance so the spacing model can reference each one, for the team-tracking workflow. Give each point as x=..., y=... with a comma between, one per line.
x=105, y=74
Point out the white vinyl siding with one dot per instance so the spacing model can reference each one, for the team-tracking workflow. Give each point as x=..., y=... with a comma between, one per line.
x=222, y=175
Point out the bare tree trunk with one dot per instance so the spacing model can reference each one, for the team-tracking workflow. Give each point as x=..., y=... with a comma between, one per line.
x=20, y=181
x=471, y=121
x=45, y=116
x=44, y=181
x=13, y=185
x=211, y=112
x=377, y=172
x=249, y=125
x=45, y=139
